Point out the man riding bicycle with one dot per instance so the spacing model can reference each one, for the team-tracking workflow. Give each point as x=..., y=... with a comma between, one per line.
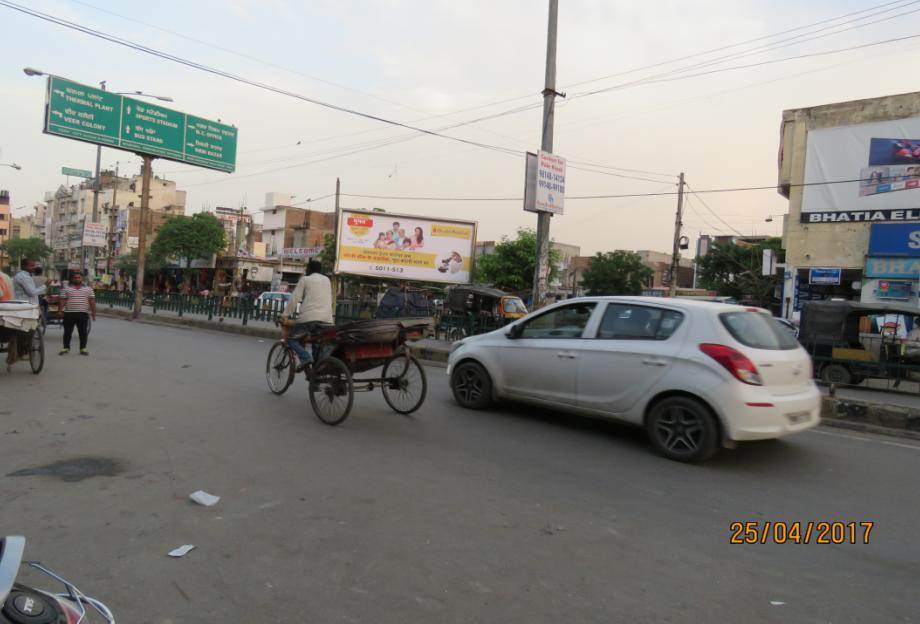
x=313, y=296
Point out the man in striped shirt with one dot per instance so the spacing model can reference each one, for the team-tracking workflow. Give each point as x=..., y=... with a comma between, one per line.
x=78, y=301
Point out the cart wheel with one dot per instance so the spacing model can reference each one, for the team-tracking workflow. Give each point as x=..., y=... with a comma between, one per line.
x=37, y=352
x=404, y=384
x=279, y=368
x=331, y=391
x=455, y=334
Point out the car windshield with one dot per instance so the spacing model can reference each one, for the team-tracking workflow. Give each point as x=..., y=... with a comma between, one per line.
x=758, y=330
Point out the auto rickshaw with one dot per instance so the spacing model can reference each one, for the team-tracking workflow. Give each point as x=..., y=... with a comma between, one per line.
x=850, y=342
x=470, y=310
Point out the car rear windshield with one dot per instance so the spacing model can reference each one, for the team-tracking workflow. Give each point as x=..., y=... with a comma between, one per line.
x=758, y=330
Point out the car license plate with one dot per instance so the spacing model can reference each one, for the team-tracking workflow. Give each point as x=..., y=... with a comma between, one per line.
x=798, y=417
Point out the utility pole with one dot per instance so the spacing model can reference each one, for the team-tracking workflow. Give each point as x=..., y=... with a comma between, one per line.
x=142, y=237
x=335, y=281
x=96, y=187
x=541, y=267
x=675, y=253
x=113, y=214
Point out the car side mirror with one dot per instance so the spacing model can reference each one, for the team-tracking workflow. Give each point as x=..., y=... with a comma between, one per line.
x=514, y=332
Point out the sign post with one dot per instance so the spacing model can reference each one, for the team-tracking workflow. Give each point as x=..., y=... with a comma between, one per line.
x=79, y=173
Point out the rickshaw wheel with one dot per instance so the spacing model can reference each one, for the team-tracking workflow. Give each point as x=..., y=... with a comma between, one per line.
x=404, y=384
x=279, y=368
x=836, y=374
x=331, y=391
x=37, y=352
x=455, y=334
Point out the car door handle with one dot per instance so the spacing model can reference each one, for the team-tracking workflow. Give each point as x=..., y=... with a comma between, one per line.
x=653, y=362
x=569, y=356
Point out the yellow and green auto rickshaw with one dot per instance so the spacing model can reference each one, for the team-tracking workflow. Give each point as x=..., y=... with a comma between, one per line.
x=470, y=310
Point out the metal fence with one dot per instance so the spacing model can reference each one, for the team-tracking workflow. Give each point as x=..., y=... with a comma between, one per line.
x=242, y=308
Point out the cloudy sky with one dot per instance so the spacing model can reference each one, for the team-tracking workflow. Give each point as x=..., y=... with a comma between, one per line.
x=420, y=61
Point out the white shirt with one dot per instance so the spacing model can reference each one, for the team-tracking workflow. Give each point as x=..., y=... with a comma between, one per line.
x=314, y=294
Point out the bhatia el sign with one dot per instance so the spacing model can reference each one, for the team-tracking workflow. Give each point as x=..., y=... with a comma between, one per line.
x=405, y=247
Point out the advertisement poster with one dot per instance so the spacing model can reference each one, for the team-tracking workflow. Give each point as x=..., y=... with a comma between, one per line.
x=94, y=234
x=876, y=167
x=405, y=247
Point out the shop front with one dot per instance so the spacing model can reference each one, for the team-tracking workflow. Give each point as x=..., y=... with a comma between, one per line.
x=893, y=264
x=825, y=284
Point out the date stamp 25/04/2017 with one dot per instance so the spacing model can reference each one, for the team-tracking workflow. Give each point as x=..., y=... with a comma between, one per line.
x=811, y=532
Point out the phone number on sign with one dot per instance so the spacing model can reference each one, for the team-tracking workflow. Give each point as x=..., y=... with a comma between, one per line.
x=800, y=532
x=382, y=268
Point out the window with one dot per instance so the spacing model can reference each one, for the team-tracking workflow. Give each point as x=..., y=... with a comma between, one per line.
x=2, y=217
x=566, y=322
x=758, y=331
x=624, y=321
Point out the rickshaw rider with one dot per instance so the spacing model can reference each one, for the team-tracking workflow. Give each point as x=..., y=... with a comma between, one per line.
x=314, y=296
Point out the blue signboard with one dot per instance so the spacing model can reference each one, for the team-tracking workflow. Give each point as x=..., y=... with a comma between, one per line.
x=824, y=275
x=898, y=268
x=895, y=239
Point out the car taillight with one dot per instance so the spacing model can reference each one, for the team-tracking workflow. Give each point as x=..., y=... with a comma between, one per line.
x=734, y=362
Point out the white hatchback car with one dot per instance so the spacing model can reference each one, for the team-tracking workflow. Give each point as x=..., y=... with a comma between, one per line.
x=694, y=373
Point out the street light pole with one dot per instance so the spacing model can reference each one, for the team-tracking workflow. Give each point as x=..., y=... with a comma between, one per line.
x=541, y=267
x=96, y=187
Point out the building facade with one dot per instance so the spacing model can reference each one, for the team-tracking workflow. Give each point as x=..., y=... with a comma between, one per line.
x=291, y=235
x=844, y=168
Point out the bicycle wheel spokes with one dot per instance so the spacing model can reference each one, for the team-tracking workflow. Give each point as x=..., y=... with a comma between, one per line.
x=404, y=384
x=331, y=391
x=279, y=368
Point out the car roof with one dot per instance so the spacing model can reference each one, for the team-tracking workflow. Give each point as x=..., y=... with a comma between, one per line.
x=671, y=302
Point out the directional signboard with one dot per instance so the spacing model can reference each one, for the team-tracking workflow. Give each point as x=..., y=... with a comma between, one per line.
x=80, y=173
x=88, y=114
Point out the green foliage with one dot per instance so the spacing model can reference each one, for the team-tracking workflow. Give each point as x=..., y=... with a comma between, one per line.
x=616, y=273
x=193, y=237
x=511, y=266
x=734, y=271
x=152, y=263
x=327, y=255
x=19, y=248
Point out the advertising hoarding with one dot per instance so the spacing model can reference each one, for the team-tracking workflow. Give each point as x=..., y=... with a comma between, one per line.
x=876, y=165
x=405, y=247
x=94, y=234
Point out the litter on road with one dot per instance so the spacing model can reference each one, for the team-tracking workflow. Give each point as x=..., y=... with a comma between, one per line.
x=203, y=498
x=181, y=551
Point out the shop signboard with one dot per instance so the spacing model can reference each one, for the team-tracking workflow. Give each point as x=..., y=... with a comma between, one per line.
x=824, y=275
x=892, y=289
x=895, y=239
x=405, y=247
x=873, y=170
x=893, y=268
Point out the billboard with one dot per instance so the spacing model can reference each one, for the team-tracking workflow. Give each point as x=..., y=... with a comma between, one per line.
x=876, y=165
x=405, y=247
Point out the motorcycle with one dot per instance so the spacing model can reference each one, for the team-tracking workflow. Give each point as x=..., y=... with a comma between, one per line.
x=20, y=604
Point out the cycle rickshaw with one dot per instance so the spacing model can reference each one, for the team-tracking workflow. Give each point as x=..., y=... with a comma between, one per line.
x=340, y=352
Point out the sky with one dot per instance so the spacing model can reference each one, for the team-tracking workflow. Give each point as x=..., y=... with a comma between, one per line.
x=419, y=61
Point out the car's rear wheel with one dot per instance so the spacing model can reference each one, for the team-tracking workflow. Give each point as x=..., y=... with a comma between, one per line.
x=836, y=374
x=683, y=429
x=471, y=385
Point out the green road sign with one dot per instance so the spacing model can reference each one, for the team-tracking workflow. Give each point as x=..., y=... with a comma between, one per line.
x=80, y=173
x=88, y=114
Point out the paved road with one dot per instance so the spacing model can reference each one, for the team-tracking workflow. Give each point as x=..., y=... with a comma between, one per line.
x=511, y=516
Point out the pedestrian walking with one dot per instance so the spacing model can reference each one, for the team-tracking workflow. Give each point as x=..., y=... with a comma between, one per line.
x=78, y=303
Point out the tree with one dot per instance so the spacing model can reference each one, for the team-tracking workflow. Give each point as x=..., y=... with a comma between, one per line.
x=193, y=237
x=19, y=248
x=735, y=271
x=616, y=273
x=511, y=265
x=152, y=264
x=327, y=255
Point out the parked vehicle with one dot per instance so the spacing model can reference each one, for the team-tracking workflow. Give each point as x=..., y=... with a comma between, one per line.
x=470, y=310
x=398, y=302
x=852, y=341
x=693, y=373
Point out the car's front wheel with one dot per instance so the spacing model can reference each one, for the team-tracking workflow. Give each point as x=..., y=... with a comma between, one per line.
x=683, y=429
x=471, y=385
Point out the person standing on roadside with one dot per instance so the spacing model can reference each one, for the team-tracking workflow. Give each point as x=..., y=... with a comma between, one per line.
x=78, y=302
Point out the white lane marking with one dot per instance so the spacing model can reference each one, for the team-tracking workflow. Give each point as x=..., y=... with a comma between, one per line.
x=861, y=439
